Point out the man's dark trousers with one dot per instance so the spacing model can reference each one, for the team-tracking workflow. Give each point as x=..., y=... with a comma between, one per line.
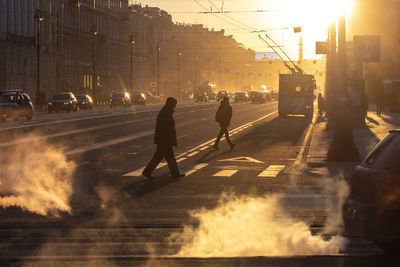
x=163, y=151
x=223, y=131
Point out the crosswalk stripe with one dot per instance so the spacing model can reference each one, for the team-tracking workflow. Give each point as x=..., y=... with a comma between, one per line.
x=181, y=159
x=188, y=171
x=193, y=153
x=272, y=171
x=204, y=148
x=138, y=172
x=225, y=173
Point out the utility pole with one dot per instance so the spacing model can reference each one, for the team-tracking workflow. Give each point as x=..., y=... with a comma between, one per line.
x=94, y=78
x=195, y=74
x=179, y=72
x=132, y=42
x=79, y=45
x=343, y=147
x=39, y=18
x=158, y=68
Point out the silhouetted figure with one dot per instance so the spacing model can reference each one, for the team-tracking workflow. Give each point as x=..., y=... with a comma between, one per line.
x=321, y=104
x=223, y=117
x=380, y=103
x=165, y=138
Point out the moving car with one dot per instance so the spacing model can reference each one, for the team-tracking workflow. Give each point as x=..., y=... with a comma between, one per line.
x=221, y=95
x=138, y=99
x=63, y=101
x=120, y=99
x=240, y=97
x=257, y=97
x=200, y=97
x=84, y=102
x=212, y=96
x=150, y=98
x=372, y=210
x=15, y=104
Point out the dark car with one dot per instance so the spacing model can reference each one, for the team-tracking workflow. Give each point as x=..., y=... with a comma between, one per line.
x=200, y=97
x=150, y=98
x=63, y=102
x=212, y=96
x=240, y=97
x=257, y=97
x=15, y=104
x=268, y=97
x=139, y=99
x=221, y=95
x=84, y=102
x=120, y=99
x=372, y=209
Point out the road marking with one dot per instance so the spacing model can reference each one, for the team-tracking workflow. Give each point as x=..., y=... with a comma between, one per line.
x=181, y=159
x=138, y=172
x=306, y=139
x=193, y=153
x=242, y=159
x=272, y=171
x=188, y=171
x=204, y=148
x=225, y=173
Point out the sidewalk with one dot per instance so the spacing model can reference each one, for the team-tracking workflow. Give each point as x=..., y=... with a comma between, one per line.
x=365, y=139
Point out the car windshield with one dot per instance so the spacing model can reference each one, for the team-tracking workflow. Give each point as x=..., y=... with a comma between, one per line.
x=386, y=154
x=81, y=97
x=118, y=95
x=61, y=96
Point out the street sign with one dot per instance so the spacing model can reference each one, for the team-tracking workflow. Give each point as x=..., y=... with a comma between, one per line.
x=367, y=48
x=321, y=48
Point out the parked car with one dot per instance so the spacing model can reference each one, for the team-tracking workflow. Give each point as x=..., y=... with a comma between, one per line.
x=63, y=101
x=120, y=99
x=221, y=95
x=84, y=102
x=372, y=210
x=138, y=99
x=267, y=96
x=212, y=96
x=257, y=97
x=15, y=104
x=240, y=97
x=200, y=97
x=150, y=98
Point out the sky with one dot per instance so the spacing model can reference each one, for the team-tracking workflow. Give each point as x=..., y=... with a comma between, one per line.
x=278, y=17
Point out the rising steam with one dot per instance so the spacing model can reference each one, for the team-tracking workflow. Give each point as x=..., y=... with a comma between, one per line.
x=251, y=226
x=37, y=178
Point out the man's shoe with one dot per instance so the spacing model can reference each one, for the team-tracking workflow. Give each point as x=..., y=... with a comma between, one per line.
x=148, y=175
x=215, y=147
x=232, y=146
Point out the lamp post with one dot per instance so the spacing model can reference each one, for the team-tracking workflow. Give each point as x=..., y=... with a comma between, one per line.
x=195, y=74
x=39, y=18
x=158, y=68
x=94, y=78
x=132, y=42
x=179, y=72
x=78, y=4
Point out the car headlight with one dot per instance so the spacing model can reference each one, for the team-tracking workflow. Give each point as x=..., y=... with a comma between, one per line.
x=50, y=104
x=66, y=103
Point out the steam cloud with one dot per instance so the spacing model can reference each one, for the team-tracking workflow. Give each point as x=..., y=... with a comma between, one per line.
x=36, y=177
x=251, y=226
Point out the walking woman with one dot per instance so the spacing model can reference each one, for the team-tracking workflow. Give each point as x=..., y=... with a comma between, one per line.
x=223, y=117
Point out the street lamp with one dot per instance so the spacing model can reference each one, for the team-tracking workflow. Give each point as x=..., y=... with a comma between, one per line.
x=39, y=18
x=94, y=78
x=78, y=4
x=179, y=72
x=158, y=67
x=132, y=42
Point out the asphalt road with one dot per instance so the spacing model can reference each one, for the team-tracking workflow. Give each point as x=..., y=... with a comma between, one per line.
x=119, y=217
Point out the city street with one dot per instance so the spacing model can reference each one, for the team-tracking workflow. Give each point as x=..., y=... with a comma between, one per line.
x=117, y=215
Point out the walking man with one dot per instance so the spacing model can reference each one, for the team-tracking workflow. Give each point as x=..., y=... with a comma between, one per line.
x=223, y=117
x=165, y=139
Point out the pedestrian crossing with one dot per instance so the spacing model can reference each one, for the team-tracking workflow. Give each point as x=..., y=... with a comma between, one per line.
x=272, y=171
